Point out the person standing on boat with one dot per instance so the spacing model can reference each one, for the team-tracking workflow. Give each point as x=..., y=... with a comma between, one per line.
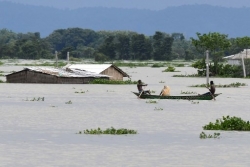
x=165, y=91
x=140, y=89
x=211, y=89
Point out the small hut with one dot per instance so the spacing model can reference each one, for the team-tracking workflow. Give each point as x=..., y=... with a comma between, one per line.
x=111, y=70
x=52, y=76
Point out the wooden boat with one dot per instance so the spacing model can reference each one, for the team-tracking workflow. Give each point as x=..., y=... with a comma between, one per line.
x=192, y=97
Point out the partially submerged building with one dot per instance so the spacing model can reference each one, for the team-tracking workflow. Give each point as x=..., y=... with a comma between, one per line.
x=111, y=70
x=52, y=76
x=236, y=59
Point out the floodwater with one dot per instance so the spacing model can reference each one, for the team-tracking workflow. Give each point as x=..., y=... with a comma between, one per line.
x=43, y=133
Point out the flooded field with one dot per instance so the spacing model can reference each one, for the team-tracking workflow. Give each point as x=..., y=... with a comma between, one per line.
x=43, y=133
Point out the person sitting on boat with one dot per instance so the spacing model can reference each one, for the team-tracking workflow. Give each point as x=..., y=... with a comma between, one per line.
x=211, y=89
x=165, y=91
x=140, y=89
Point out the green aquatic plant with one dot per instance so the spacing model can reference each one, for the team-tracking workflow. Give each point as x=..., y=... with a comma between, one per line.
x=151, y=101
x=195, y=102
x=235, y=85
x=178, y=65
x=105, y=81
x=80, y=92
x=69, y=102
x=157, y=65
x=190, y=75
x=158, y=108
x=131, y=65
x=228, y=123
x=35, y=99
x=59, y=64
x=111, y=131
x=170, y=69
x=203, y=135
x=161, y=82
x=188, y=92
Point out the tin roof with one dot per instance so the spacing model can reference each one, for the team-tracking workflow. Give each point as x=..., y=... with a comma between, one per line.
x=95, y=68
x=245, y=54
x=65, y=73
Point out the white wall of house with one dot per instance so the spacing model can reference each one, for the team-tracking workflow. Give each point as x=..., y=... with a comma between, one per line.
x=237, y=58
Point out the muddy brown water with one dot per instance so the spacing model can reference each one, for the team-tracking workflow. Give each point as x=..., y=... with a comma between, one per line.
x=43, y=133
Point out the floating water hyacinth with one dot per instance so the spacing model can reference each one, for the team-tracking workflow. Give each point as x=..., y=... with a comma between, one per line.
x=229, y=124
x=111, y=131
x=35, y=99
x=203, y=135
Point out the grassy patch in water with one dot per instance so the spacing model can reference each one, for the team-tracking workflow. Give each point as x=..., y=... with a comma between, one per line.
x=151, y=101
x=157, y=65
x=158, y=109
x=59, y=64
x=228, y=124
x=188, y=92
x=234, y=85
x=190, y=75
x=35, y=99
x=68, y=102
x=105, y=81
x=195, y=102
x=131, y=65
x=203, y=135
x=170, y=69
x=111, y=131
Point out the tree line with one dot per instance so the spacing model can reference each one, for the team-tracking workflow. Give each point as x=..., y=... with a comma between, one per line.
x=98, y=45
x=117, y=45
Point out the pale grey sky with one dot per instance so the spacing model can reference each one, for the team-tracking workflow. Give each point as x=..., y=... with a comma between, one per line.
x=139, y=4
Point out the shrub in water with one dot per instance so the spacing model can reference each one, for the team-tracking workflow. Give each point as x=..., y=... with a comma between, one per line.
x=228, y=123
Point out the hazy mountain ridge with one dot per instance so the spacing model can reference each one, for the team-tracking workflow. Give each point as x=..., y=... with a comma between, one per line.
x=187, y=19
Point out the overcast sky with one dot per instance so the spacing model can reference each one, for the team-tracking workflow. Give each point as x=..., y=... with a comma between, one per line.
x=139, y=4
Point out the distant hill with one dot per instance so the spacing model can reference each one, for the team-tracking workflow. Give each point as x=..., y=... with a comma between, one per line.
x=187, y=19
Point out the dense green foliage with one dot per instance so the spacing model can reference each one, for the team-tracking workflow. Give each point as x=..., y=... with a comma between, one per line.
x=215, y=43
x=111, y=131
x=228, y=123
x=222, y=70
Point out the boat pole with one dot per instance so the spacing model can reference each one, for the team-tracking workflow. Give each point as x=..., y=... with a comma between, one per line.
x=207, y=65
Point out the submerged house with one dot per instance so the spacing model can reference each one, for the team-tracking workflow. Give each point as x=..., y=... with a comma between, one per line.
x=52, y=76
x=111, y=70
x=236, y=59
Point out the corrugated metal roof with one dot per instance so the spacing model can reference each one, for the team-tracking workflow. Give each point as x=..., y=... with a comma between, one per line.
x=64, y=73
x=95, y=68
x=245, y=53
